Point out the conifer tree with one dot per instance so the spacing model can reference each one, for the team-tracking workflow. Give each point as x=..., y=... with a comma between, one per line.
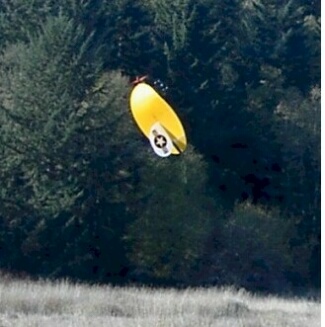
x=65, y=133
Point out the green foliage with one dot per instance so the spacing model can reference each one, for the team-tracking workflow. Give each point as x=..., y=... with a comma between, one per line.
x=297, y=125
x=174, y=219
x=171, y=19
x=244, y=77
x=298, y=130
x=62, y=127
x=20, y=18
x=132, y=48
x=44, y=87
x=255, y=251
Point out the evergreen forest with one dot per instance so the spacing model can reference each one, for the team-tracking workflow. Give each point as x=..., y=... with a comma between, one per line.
x=82, y=194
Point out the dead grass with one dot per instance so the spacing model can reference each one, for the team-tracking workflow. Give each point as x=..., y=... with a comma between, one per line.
x=48, y=304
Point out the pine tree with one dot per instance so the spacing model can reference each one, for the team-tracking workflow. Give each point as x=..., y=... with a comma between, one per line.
x=66, y=135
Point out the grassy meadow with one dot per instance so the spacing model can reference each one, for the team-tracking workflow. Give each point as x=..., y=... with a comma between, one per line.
x=49, y=304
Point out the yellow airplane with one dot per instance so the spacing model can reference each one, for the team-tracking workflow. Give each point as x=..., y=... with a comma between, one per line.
x=157, y=120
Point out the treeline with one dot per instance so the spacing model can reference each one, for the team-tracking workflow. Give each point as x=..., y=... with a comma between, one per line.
x=82, y=194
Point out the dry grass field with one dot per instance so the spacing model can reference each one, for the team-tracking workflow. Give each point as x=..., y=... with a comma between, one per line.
x=51, y=304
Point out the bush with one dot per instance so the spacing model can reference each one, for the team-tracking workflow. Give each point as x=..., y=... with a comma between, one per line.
x=254, y=249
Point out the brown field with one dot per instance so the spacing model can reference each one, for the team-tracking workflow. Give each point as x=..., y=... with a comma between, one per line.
x=51, y=304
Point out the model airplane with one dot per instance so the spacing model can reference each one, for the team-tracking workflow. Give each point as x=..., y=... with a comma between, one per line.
x=157, y=120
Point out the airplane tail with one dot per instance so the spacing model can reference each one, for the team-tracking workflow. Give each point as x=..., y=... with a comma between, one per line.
x=160, y=141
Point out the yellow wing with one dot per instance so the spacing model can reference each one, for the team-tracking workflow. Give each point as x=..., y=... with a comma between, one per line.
x=149, y=108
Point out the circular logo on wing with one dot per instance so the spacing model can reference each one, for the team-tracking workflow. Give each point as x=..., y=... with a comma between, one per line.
x=160, y=141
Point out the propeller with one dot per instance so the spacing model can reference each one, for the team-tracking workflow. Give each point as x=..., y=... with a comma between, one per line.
x=139, y=79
